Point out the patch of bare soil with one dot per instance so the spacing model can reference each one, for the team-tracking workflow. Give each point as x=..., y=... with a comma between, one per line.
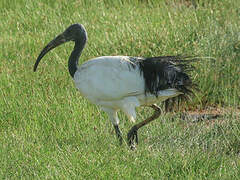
x=211, y=113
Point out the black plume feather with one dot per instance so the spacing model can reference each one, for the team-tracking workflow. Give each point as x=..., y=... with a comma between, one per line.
x=166, y=72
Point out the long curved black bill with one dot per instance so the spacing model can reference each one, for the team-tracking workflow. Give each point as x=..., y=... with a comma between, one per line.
x=60, y=39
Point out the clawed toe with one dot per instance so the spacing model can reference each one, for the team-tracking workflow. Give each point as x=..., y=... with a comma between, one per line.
x=131, y=136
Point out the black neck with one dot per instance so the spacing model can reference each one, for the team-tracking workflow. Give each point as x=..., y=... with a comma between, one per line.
x=74, y=58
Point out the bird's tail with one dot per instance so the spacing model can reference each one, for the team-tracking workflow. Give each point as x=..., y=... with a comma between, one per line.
x=166, y=72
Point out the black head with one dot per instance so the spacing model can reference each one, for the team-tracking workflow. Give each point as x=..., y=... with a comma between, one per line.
x=75, y=32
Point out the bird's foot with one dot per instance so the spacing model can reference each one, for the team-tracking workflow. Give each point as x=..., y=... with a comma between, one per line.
x=118, y=133
x=131, y=136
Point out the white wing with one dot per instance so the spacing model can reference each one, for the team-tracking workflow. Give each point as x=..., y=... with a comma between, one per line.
x=109, y=78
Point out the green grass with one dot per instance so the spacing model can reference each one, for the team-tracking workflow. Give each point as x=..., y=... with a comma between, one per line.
x=47, y=131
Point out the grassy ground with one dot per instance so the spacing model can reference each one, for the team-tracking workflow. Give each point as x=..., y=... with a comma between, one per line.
x=48, y=131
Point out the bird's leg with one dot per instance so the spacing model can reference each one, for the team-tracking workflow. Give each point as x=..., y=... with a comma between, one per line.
x=112, y=113
x=118, y=133
x=132, y=134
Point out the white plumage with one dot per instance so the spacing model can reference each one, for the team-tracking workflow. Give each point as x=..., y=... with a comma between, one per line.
x=121, y=82
x=112, y=84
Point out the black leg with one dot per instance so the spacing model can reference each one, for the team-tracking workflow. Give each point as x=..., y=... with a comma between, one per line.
x=118, y=133
x=132, y=134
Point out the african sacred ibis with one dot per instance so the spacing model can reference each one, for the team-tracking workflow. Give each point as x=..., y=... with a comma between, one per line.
x=122, y=82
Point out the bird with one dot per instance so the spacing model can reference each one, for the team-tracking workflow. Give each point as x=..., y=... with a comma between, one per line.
x=123, y=83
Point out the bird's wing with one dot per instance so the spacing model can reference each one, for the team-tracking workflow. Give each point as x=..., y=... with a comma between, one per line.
x=109, y=78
